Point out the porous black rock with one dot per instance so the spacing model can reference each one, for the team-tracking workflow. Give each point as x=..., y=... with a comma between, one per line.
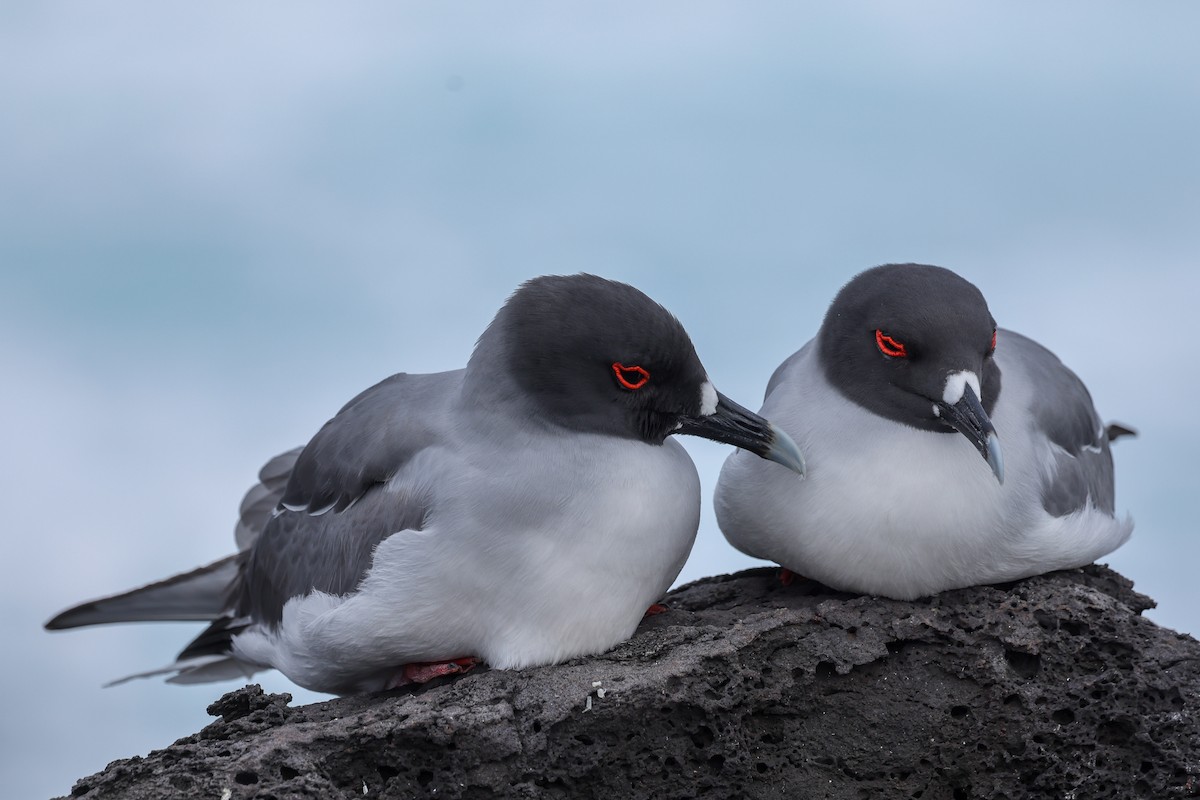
x=1054, y=686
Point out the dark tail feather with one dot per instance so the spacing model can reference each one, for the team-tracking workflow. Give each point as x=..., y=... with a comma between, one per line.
x=1116, y=430
x=214, y=640
x=202, y=594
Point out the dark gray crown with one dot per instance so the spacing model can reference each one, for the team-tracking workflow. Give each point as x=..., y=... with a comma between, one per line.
x=943, y=323
x=558, y=337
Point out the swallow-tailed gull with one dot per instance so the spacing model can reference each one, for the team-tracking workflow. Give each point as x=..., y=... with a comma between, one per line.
x=907, y=383
x=524, y=510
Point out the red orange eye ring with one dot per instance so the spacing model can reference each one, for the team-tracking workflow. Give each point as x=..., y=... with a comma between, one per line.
x=631, y=378
x=993, y=347
x=889, y=346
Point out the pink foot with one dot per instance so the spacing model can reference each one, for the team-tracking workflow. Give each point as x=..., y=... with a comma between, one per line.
x=656, y=609
x=425, y=671
x=786, y=576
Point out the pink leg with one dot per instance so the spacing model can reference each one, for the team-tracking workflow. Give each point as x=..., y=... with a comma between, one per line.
x=425, y=671
x=656, y=609
x=786, y=576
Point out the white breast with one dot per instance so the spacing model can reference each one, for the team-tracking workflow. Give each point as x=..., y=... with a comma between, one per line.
x=521, y=563
x=889, y=509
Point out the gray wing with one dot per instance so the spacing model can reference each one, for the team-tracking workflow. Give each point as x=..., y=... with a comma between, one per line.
x=1063, y=412
x=364, y=444
x=331, y=515
x=264, y=497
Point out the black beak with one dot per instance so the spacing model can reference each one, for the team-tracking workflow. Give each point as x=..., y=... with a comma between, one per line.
x=968, y=418
x=740, y=427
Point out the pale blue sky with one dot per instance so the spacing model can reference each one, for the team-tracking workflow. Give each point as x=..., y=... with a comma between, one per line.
x=218, y=222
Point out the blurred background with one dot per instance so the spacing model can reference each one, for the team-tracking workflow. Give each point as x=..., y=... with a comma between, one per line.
x=220, y=221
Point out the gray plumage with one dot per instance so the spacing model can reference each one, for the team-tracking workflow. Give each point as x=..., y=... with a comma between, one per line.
x=524, y=510
x=326, y=543
x=907, y=364
x=1062, y=410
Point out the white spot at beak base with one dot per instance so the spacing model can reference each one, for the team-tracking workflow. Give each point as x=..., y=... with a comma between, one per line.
x=708, y=399
x=956, y=384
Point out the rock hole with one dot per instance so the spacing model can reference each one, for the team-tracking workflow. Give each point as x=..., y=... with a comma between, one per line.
x=826, y=669
x=537, y=726
x=958, y=712
x=1045, y=619
x=286, y=773
x=716, y=763
x=1064, y=716
x=761, y=768
x=1024, y=664
x=424, y=777
x=703, y=737
x=584, y=739
x=1075, y=628
x=1012, y=700
x=246, y=777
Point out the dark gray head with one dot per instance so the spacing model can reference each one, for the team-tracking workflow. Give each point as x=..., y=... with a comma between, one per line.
x=914, y=343
x=599, y=356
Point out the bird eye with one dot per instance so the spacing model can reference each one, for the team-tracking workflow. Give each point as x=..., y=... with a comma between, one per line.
x=631, y=378
x=992, y=348
x=890, y=347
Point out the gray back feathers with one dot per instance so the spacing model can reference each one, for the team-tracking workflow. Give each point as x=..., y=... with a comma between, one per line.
x=333, y=513
x=1062, y=410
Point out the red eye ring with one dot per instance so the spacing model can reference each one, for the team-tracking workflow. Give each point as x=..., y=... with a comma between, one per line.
x=890, y=347
x=992, y=349
x=631, y=378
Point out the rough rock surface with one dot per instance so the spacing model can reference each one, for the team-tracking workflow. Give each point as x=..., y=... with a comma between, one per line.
x=1050, y=687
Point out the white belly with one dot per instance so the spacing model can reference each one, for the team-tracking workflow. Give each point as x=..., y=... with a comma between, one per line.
x=892, y=510
x=527, y=565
